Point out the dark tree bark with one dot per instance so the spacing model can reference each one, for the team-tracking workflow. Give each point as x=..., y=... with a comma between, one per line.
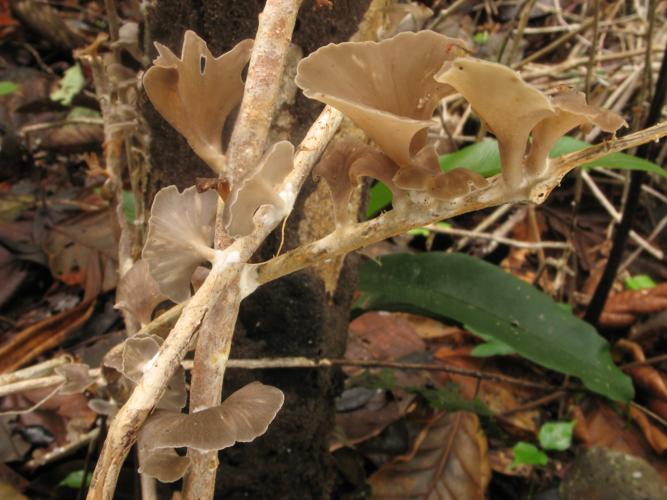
x=305, y=314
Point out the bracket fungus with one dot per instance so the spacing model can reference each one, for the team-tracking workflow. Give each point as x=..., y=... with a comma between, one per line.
x=571, y=110
x=77, y=378
x=196, y=93
x=386, y=88
x=260, y=188
x=346, y=160
x=139, y=354
x=509, y=107
x=138, y=294
x=180, y=237
x=242, y=417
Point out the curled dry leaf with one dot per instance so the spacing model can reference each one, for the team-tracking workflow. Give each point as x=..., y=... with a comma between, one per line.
x=449, y=461
x=180, y=236
x=196, y=93
x=138, y=294
x=261, y=187
x=630, y=304
x=386, y=88
x=242, y=417
x=644, y=376
x=77, y=377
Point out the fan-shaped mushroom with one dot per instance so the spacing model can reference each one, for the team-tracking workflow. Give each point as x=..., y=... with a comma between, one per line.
x=196, y=93
x=180, y=235
x=138, y=294
x=455, y=183
x=386, y=88
x=571, y=111
x=242, y=417
x=346, y=160
x=258, y=188
x=509, y=107
x=77, y=377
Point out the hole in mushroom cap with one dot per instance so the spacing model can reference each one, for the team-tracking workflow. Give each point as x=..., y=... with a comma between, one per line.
x=180, y=236
x=196, y=93
x=386, y=88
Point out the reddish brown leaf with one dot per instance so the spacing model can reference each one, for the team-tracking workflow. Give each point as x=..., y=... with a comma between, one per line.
x=644, y=376
x=655, y=436
x=83, y=251
x=620, y=306
x=449, y=461
x=26, y=345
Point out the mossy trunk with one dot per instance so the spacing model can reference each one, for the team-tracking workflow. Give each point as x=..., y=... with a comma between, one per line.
x=305, y=314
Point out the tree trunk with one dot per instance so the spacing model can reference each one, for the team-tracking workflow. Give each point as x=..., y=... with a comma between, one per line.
x=305, y=314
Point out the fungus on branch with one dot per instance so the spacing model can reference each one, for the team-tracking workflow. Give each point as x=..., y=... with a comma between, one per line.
x=346, y=160
x=196, y=93
x=571, y=111
x=138, y=294
x=509, y=107
x=77, y=378
x=242, y=417
x=386, y=88
x=180, y=237
x=260, y=188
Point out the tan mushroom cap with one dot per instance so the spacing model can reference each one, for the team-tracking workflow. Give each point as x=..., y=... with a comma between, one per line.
x=509, y=106
x=196, y=101
x=77, y=378
x=164, y=464
x=343, y=163
x=260, y=187
x=387, y=88
x=138, y=294
x=180, y=235
x=455, y=183
x=571, y=111
x=138, y=355
x=242, y=417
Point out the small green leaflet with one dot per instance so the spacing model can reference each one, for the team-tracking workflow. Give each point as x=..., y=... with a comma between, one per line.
x=74, y=479
x=379, y=199
x=528, y=454
x=70, y=85
x=556, y=435
x=490, y=300
x=7, y=87
x=491, y=346
x=639, y=282
x=449, y=398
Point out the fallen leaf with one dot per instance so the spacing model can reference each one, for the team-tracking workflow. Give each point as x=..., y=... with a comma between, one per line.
x=654, y=435
x=448, y=461
x=83, y=251
x=622, y=309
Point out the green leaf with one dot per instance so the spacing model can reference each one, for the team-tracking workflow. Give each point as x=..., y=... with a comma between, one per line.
x=7, y=87
x=74, y=479
x=128, y=206
x=528, y=454
x=481, y=37
x=556, y=435
x=489, y=300
x=483, y=157
x=449, y=398
x=419, y=231
x=639, y=282
x=380, y=198
x=491, y=347
x=70, y=85
x=382, y=379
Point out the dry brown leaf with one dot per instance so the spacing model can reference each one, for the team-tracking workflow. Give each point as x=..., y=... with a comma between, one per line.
x=29, y=343
x=382, y=336
x=600, y=425
x=622, y=308
x=368, y=421
x=644, y=376
x=655, y=436
x=449, y=461
x=83, y=251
